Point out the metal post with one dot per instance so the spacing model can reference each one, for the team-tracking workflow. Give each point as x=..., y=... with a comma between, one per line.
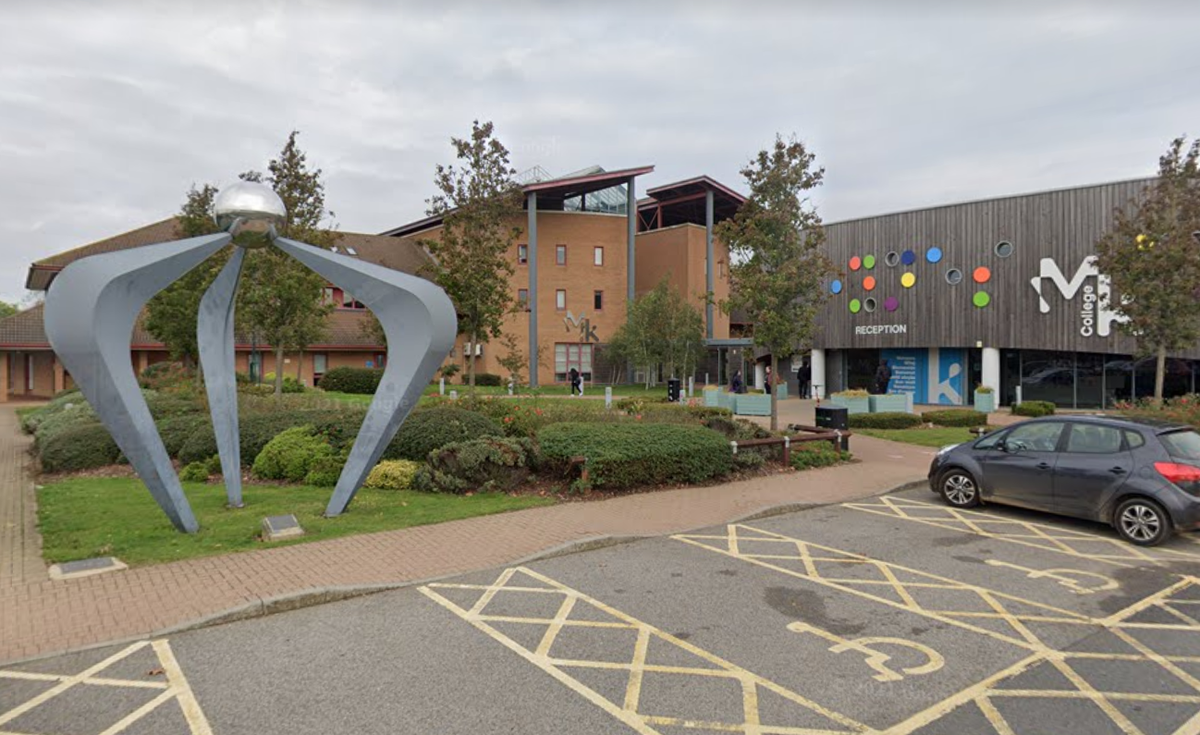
x=708, y=263
x=533, y=297
x=630, y=262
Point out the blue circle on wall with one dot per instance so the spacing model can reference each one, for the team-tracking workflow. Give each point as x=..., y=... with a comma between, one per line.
x=836, y=287
x=908, y=257
x=934, y=255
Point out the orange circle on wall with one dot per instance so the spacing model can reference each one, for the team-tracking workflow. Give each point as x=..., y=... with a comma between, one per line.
x=869, y=283
x=855, y=263
x=982, y=275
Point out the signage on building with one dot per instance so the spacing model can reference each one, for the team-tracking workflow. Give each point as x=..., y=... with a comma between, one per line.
x=587, y=333
x=1095, y=318
x=881, y=329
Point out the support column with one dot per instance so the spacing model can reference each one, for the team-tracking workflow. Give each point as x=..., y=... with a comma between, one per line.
x=630, y=258
x=818, y=373
x=991, y=369
x=708, y=263
x=533, y=294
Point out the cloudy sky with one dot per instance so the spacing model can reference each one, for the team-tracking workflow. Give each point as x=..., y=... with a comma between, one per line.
x=110, y=111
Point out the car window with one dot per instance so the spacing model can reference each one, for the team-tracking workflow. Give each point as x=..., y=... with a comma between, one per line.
x=1035, y=437
x=988, y=441
x=1093, y=439
x=1183, y=444
x=1134, y=439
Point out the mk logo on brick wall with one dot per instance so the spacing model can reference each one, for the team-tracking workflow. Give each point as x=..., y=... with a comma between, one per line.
x=1095, y=318
x=587, y=333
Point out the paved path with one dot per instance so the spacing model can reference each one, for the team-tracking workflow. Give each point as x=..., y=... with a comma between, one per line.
x=38, y=616
x=20, y=544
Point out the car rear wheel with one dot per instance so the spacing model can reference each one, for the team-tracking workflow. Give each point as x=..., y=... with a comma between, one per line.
x=1143, y=522
x=959, y=489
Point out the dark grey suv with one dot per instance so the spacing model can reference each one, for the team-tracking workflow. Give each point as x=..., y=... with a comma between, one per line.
x=1143, y=477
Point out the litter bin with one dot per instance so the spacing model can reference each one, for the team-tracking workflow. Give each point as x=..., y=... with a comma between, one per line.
x=674, y=385
x=835, y=418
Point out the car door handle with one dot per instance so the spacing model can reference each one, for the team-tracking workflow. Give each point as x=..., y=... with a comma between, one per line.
x=1117, y=470
x=1043, y=466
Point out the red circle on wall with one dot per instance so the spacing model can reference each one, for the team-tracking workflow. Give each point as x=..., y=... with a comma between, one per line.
x=855, y=263
x=982, y=275
x=869, y=283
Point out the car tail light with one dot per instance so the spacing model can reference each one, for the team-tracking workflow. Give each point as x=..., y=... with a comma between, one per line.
x=1185, y=476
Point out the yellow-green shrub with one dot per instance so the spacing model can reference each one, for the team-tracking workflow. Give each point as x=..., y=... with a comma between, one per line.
x=393, y=474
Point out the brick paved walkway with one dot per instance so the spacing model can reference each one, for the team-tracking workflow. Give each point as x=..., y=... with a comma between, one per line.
x=20, y=544
x=38, y=616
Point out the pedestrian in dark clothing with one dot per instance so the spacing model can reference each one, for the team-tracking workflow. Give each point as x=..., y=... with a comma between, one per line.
x=883, y=376
x=576, y=386
x=737, y=382
x=805, y=379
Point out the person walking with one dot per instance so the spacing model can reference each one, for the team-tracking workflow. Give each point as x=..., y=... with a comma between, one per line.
x=575, y=382
x=736, y=384
x=883, y=376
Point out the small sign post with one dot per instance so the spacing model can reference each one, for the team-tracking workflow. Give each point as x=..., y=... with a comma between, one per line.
x=607, y=396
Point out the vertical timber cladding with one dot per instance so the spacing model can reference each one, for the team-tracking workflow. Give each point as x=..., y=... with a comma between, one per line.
x=1059, y=225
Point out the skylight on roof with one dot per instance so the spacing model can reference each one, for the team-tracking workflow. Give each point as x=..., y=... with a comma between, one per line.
x=351, y=250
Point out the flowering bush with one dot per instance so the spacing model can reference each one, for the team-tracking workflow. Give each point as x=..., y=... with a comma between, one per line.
x=1182, y=409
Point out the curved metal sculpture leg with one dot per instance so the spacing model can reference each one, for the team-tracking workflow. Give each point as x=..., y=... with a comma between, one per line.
x=420, y=323
x=89, y=316
x=215, y=337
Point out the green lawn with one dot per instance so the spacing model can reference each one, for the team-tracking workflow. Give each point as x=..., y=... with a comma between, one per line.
x=88, y=517
x=549, y=391
x=937, y=436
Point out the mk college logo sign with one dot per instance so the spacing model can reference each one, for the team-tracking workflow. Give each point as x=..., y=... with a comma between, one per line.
x=1095, y=318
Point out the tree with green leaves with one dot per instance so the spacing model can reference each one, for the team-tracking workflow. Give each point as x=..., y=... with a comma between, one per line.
x=661, y=329
x=514, y=359
x=777, y=268
x=279, y=299
x=171, y=315
x=1152, y=256
x=477, y=200
x=7, y=309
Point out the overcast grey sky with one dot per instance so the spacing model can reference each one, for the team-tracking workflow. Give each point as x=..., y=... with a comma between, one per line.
x=109, y=111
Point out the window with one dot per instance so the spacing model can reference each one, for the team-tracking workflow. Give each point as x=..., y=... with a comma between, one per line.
x=349, y=302
x=598, y=255
x=598, y=300
x=1035, y=437
x=567, y=356
x=327, y=296
x=1133, y=439
x=320, y=363
x=1091, y=439
x=720, y=269
x=560, y=299
x=28, y=371
x=560, y=254
x=523, y=254
x=523, y=298
x=989, y=440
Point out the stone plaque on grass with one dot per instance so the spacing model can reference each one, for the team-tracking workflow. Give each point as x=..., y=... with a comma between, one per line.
x=86, y=567
x=276, y=528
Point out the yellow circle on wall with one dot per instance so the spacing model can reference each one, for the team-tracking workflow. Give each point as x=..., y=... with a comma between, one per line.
x=907, y=280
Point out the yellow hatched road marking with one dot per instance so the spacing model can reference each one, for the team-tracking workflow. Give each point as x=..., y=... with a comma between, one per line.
x=627, y=709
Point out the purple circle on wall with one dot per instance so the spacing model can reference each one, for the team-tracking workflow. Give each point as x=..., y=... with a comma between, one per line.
x=891, y=303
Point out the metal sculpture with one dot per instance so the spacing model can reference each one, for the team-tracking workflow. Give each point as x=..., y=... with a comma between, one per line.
x=92, y=306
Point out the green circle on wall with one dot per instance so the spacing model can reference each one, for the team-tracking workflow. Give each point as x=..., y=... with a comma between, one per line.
x=855, y=305
x=982, y=299
x=869, y=262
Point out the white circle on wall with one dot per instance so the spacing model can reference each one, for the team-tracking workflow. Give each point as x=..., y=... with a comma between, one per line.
x=1004, y=248
x=892, y=259
x=869, y=305
x=954, y=276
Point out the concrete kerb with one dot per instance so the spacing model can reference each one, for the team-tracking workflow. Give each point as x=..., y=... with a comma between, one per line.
x=261, y=607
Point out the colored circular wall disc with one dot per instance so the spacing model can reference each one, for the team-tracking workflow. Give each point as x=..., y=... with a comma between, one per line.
x=869, y=283
x=982, y=274
x=908, y=257
x=869, y=262
x=908, y=280
x=855, y=263
x=855, y=305
x=835, y=287
x=891, y=303
x=934, y=255
x=982, y=299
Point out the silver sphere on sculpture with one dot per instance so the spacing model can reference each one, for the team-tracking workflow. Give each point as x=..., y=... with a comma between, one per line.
x=253, y=207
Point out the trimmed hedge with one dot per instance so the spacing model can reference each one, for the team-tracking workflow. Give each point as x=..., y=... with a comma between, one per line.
x=326, y=471
x=1033, y=409
x=351, y=380
x=485, y=465
x=955, y=417
x=338, y=425
x=484, y=379
x=884, y=420
x=291, y=454
x=434, y=428
x=623, y=455
x=811, y=455
x=393, y=474
x=78, y=448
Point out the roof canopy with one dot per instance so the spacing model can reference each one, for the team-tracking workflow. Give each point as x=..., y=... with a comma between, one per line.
x=683, y=202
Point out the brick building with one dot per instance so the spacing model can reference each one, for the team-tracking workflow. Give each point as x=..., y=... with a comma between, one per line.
x=571, y=274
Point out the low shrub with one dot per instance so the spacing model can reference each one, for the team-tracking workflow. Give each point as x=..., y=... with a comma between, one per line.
x=339, y=427
x=884, y=420
x=291, y=454
x=290, y=384
x=351, y=380
x=1033, y=409
x=170, y=405
x=164, y=375
x=67, y=416
x=326, y=471
x=737, y=429
x=852, y=393
x=628, y=454
x=393, y=474
x=195, y=472
x=1180, y=410
x=81, y=447
x=955, y=417
x=64, y=399
x=490, y=380
x=749, y=460
x=433, y=428
x=485, y=465
x=811, y=455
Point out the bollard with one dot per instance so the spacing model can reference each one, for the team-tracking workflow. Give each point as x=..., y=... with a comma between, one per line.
x=691, y=386
x=454, y=395
x=607, y=396
x=787, y=451
x=442, y=387
x=510, y=387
